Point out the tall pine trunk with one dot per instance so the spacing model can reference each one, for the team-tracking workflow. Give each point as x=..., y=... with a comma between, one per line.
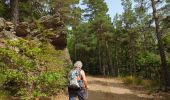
x=99, y=56
x=161, y=47
x=116, y=60
x=14, y=11
x=110, y=64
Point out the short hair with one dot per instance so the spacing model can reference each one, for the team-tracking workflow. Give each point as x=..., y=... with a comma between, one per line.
x=78, y=64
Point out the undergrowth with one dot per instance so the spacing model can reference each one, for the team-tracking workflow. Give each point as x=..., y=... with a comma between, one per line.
x=31, y=68
x=136, y=82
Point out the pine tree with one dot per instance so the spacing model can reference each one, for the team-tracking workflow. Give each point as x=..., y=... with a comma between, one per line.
x=129, y=19
x=101, y=26
x=165, y=76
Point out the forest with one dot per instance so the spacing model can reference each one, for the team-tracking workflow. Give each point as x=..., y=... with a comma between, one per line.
x=134, y=43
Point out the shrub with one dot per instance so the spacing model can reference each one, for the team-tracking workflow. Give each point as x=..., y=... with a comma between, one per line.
x=148, y=65
x=30, y=68
x=150, y=85
x=139, y=82
x=132, y=80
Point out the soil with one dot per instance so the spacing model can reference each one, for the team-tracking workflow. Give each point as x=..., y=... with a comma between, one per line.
x=114, y=89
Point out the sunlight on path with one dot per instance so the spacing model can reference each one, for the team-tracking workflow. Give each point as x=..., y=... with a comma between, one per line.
x=109, y=89
x=113, y=87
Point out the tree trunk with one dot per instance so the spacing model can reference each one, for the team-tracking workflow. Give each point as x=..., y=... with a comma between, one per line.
x=130, y=54
x=75, y=51
x=111, y=71
x=14, y=11
x=161, y=47
x=99, y=56
x=116, y=64
x=103, y=64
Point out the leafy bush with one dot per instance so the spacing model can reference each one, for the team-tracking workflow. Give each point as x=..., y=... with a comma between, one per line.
x=134, y=81
x=30, y=68
x=150, y=85
x=131, y=80
x=148, y=65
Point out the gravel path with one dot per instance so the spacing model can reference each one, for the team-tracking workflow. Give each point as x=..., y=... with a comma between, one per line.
x=112, y=89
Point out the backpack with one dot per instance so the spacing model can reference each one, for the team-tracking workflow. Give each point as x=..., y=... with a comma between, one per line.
x=75, y=79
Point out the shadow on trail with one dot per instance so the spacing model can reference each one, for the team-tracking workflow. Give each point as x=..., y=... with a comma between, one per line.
x=98, y=95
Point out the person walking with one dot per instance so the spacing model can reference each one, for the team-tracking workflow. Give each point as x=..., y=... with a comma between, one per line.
x=77, y=82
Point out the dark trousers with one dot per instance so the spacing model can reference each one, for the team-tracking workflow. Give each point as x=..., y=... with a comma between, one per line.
x=80, y=93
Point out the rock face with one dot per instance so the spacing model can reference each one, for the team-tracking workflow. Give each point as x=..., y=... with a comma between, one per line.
x=55, y=25
x=22, y=30
x=52, y=21
x=6, y=31
x=48, y=24
x=50, y=27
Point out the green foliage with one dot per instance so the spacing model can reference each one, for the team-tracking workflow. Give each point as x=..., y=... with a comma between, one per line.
x=130, y=80
x=4, y=10
x=148, y=58
x=30, y=10
x=50, y=80
x=167, y=41
x=65, y=8
x=148, y=63
x=138, y=82
x=127, y=46
x=95, y=8
x=128, y=15
x=3, y=95
x=88, y=37
x=30, y=69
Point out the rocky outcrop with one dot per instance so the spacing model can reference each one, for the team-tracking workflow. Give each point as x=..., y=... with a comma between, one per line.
x=54, y=21
x=22, y=30
x=50, y=27
x=6, y=31
x=36, y=51
x=55, y=25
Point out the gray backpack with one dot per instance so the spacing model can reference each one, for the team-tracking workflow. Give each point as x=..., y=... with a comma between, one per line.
x=74, y=83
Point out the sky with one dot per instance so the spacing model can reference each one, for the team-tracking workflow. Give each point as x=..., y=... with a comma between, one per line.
x=114, y=7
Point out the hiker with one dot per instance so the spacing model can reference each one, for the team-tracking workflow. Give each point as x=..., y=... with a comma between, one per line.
x=78, y=83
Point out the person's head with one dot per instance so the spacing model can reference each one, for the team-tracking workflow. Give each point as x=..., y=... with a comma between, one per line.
x=78, y=64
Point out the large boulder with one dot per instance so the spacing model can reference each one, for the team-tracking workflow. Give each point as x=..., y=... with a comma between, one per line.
x=54, y=21
x=22, y=30
x=9, y=26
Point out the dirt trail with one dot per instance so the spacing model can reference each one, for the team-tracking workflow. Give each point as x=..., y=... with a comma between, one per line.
x=113, y=89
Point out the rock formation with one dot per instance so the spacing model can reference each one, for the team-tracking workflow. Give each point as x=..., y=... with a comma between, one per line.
x=49, y=27
x=55, y=25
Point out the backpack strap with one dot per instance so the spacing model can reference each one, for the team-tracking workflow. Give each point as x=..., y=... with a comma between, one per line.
x=79, y=73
